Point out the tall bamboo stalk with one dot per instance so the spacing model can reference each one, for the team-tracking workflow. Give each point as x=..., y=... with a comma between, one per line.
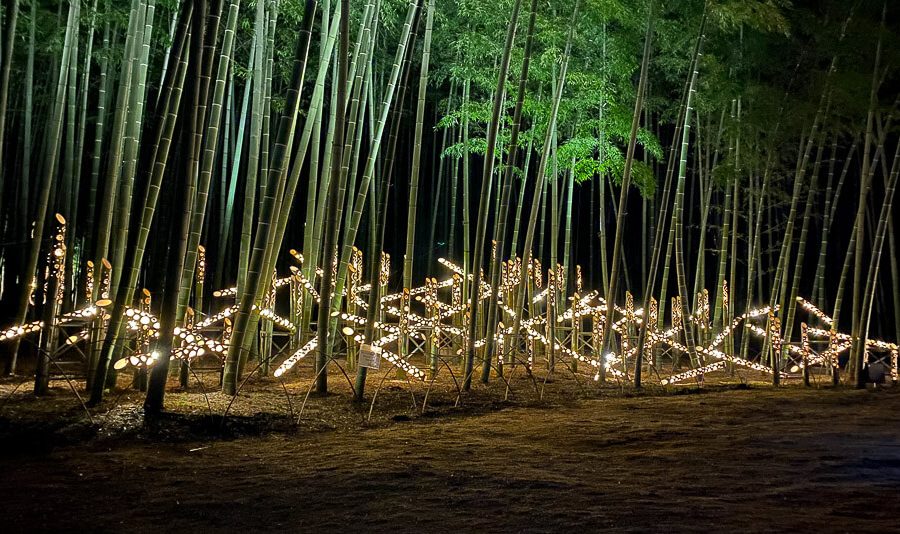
x=484, y=201
x=623, y=194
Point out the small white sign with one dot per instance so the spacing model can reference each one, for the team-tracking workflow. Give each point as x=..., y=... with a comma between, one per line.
x=370, y=357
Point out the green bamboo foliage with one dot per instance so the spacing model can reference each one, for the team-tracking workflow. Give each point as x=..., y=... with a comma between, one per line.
x=662, y=217
x=832, y=196
x=355, y=216
x=332, y=219
x=312, y=230
x=352, y=148
x=132, y=141
x=67, y=202
x=369, y=173
x=27, y=128
x=97, y=159
x=82, y=117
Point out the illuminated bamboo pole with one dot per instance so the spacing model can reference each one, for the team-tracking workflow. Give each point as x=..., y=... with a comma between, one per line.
x=54, y=292
x=550, y=314
x=804, y=347
x=576, y=328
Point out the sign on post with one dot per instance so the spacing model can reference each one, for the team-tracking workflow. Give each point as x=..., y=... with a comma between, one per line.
x=370, y=357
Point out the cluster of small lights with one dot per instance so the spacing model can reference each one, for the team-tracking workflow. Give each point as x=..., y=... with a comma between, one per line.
x=412, y=325
x=144, y=359
x=894, y=355
x=140, y=321
x=676, y=313
x=213, y=319
x=725, y=293
x=304, y=281
x=298, y=355
x=228, y=292
x=356, y=271
x=106, y=279
x=384, y=273
x=552, y=288
x=276, y=319
x=804, y=341
x=702, y=312
x=89, y=282
x=819, y=314
x=775, y=332
x=201, y=264
x=407, y=367
x=404, y=312
x=693, y=373
x=56, y=262
x=88, y=312
x=21, y=330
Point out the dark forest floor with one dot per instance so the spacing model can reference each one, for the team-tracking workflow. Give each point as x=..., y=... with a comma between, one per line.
x=725, y=458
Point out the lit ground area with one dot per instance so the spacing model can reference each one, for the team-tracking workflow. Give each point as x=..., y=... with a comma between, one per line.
x=740, y=459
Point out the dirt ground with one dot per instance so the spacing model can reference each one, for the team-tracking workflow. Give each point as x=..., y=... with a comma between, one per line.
x=742, y=459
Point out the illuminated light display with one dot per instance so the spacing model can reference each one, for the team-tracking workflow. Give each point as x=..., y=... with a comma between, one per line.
x=298, y=355
x=724, y=293
x=201, y=264
x=809, y=307
x=17, y=332
x=276, y=319
x=105, y=279
x=676, y=313
x=89, y=282
x=439, y=317
x=693, y=373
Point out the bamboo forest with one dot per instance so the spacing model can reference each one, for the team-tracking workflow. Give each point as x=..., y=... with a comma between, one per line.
x=226, y=217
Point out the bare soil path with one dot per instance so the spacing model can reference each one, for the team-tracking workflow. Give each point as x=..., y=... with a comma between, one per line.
x=756, y=460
